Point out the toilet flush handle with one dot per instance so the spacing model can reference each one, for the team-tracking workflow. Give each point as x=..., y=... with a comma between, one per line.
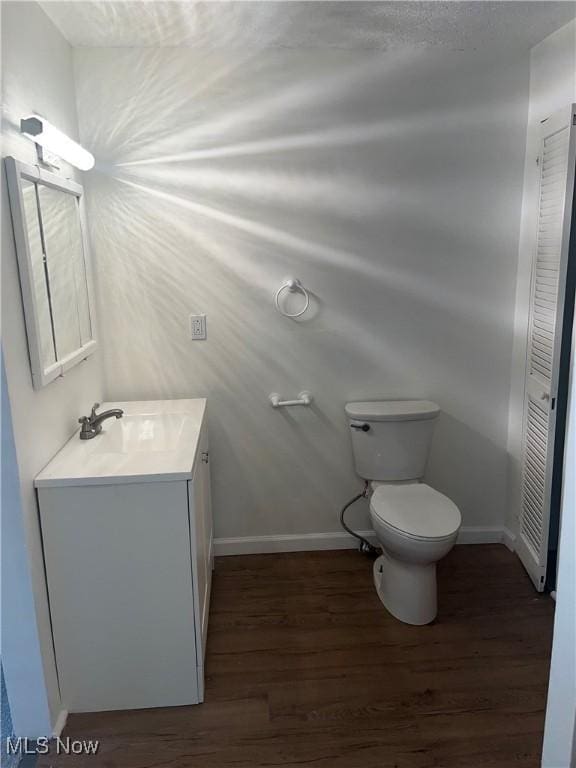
x=360, y=427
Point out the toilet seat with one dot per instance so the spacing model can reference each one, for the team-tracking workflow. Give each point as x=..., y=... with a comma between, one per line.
x=415, y=510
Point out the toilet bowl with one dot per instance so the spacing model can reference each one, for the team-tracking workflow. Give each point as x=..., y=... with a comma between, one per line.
x=416, y=527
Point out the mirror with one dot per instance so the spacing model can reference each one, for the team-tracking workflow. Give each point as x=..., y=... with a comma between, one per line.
x=53, y=262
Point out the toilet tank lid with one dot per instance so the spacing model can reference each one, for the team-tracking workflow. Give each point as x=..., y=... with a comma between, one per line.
x=392, y=410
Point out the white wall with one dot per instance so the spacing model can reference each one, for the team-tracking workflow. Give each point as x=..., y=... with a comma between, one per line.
x=21, y=655
x=37, y=77
x=552, y=86
x=389, y=183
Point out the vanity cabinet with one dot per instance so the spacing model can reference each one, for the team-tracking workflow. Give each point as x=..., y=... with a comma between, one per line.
x=128, y=556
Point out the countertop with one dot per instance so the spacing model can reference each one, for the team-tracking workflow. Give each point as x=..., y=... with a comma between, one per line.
x=155, y=440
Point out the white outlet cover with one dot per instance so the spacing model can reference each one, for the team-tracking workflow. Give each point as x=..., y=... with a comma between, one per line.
x=197, y=327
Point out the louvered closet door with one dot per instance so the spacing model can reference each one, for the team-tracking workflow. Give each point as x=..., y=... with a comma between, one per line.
x=548, y=288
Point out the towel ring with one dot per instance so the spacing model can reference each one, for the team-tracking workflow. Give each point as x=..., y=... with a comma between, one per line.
x=293, y=285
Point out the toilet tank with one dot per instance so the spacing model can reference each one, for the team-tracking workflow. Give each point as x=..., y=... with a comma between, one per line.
x=391, y=438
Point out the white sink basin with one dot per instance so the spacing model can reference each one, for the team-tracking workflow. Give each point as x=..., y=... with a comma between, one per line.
x=154, y=440
x=142, y=432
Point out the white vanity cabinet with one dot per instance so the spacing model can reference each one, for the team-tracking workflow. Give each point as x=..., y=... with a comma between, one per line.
x=127, y=532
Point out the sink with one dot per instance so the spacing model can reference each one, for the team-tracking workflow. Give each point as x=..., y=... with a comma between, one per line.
x=154, y=440
x=142, y=432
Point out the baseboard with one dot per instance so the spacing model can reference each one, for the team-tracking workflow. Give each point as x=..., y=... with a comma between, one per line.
x=509, y=539
x=305, y=542
x=60, y=723
x=308, y=542
x=478, y=534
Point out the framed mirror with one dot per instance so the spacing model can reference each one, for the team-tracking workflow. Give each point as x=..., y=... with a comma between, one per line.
x=54, y=266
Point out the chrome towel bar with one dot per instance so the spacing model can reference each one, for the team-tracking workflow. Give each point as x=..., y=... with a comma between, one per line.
x=304, y=398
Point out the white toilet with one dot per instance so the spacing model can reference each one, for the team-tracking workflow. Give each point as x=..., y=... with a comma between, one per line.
x=415, y=525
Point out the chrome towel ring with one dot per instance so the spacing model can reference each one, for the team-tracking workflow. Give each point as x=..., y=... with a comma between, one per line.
x=292, y=285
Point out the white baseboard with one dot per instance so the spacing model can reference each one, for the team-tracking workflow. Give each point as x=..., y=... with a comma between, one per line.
x=60, y=723
x=308, y=542
x=509, y=539
x=477, y=534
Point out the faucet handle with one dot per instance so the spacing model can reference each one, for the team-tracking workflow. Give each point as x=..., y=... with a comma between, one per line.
x=86, y=430
x=94, y=407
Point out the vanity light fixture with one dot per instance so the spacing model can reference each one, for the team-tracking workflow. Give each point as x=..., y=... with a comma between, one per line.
x=50, y=138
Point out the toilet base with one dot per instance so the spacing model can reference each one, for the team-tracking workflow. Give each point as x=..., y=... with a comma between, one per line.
x=407, y=590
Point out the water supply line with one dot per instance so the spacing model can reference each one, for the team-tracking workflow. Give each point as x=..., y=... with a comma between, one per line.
x=365, y=547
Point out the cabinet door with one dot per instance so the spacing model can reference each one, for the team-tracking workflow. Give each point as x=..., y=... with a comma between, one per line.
x=201, y=541
x=118, y=569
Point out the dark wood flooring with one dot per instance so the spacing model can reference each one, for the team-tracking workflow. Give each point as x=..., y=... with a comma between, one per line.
x=306, y=668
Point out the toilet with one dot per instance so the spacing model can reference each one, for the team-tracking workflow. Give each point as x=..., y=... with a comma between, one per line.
x=416, y=525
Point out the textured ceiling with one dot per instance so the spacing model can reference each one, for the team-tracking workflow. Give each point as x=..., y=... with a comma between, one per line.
x=312, y=24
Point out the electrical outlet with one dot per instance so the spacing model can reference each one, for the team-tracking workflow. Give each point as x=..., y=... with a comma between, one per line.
x=197, y=327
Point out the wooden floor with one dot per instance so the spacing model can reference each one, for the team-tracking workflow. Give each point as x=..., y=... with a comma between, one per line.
x=306, y=668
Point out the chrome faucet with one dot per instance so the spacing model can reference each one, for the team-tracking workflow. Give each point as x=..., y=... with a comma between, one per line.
x=92, y=425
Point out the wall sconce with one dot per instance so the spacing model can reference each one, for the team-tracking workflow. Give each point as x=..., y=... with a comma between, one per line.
x=50, y=138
